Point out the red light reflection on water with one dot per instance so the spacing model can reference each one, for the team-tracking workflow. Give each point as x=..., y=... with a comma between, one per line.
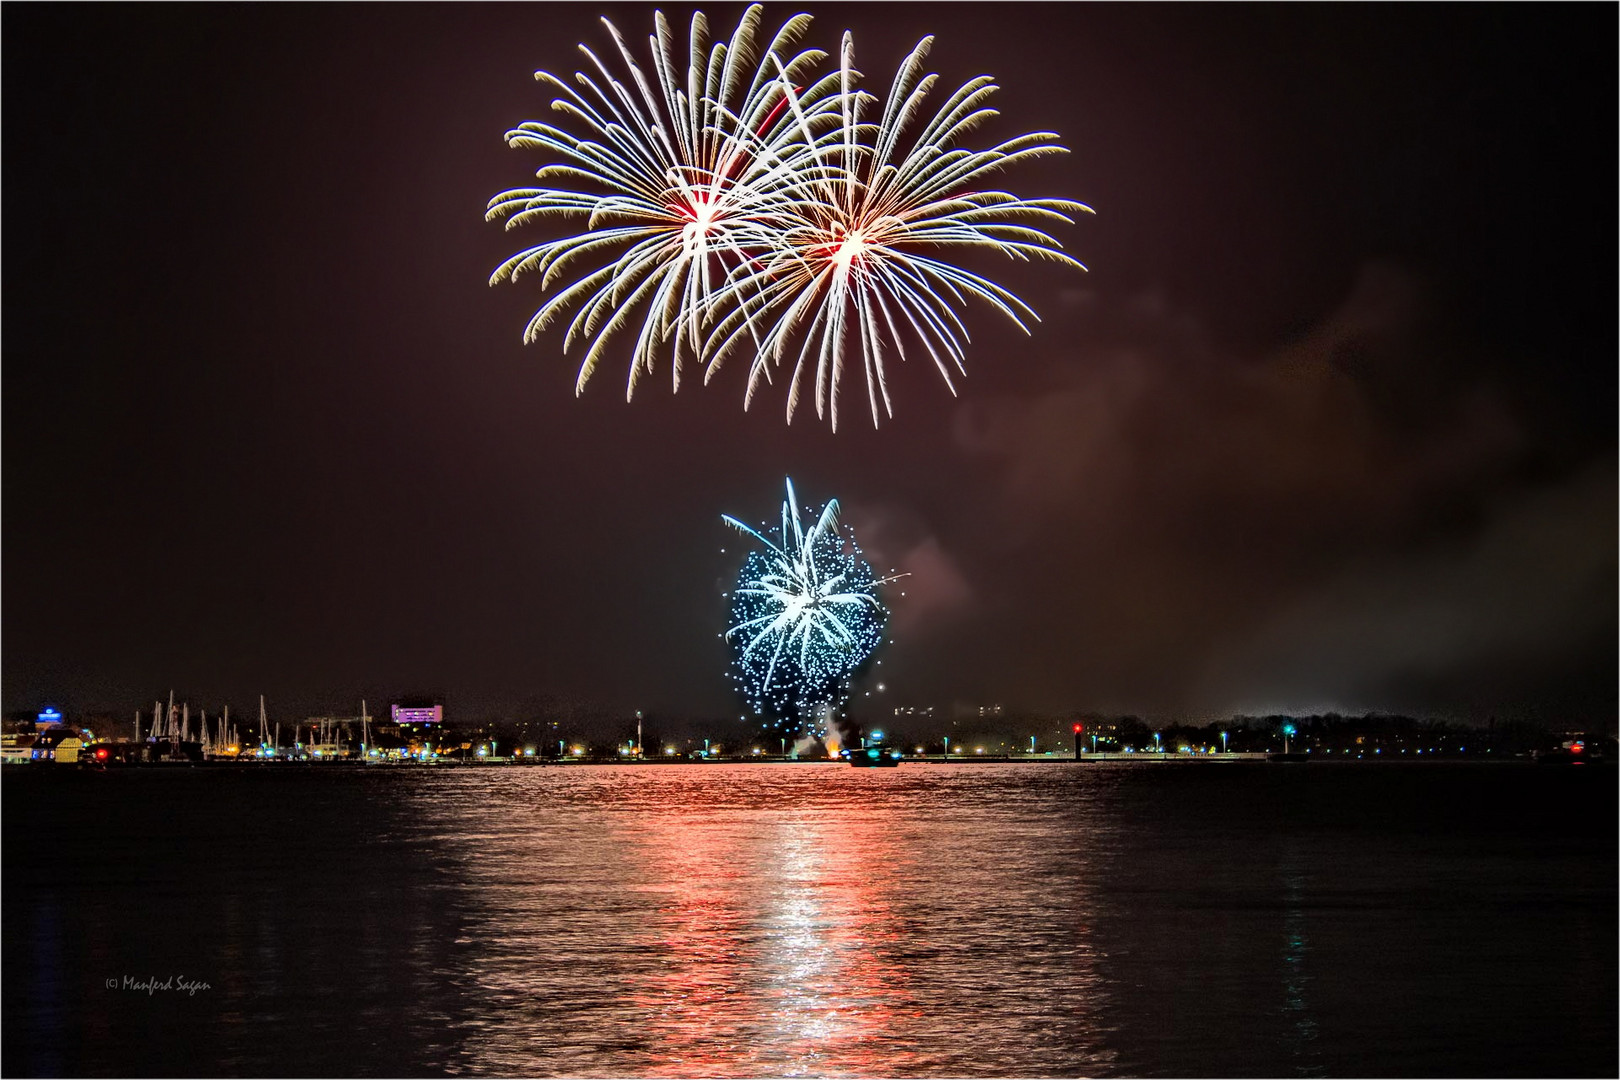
x=775, y=942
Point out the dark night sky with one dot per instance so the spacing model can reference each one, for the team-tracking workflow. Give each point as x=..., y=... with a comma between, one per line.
x=1330, y=422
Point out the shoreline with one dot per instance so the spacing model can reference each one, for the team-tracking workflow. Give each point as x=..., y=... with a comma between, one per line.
x=1138, y=760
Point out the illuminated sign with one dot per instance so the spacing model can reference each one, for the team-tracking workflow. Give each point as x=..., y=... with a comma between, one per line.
x=48, y=716
x=425, y=714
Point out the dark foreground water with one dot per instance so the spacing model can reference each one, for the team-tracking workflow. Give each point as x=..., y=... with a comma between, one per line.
x=1026, y=920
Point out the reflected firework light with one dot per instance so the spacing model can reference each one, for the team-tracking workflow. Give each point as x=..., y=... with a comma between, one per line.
x=805, y=616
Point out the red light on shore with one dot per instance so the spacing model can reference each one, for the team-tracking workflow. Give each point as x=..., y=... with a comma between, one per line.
x=1078, y=728
x=1577, y=748
x=101, y=754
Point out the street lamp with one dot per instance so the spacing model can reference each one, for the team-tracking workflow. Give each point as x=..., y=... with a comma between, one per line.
x=1157, y=749
x=1288, y=730
x=1223, y=742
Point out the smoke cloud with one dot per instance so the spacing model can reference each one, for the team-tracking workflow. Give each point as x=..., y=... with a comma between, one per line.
x=1346, y=520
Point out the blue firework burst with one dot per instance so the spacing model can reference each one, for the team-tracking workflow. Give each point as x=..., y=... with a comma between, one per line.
x=805, y=615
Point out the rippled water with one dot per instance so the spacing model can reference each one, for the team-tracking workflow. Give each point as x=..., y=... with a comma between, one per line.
x=790, y=920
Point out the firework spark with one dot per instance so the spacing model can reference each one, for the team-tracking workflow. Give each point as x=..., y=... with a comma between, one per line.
x=751, y=204
x=850, y=250
x=805, y=616
x=684, y=161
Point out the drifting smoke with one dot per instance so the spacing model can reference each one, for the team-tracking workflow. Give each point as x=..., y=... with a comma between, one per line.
x=1349, y=519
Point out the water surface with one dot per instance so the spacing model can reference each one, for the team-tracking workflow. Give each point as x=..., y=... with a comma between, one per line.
x=792, y=920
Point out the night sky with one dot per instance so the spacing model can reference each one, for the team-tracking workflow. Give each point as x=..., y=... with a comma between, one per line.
x=1329, y=424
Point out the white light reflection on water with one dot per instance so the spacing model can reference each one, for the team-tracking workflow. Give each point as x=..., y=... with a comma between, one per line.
x=774, y=934
x=1301, y=1027
x=963, y=920
x=792, y=920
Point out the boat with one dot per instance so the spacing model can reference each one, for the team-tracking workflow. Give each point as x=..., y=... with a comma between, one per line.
x=871, y=757
x=1572, y=752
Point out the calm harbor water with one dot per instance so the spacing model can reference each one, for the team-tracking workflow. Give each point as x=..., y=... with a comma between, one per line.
x=789, y=920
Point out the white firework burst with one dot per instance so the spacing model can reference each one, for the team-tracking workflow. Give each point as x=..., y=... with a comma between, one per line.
x=856, y=254
x=742, y=203
x=679, y=163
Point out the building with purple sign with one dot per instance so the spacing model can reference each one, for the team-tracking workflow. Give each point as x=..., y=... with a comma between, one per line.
x=418, y=714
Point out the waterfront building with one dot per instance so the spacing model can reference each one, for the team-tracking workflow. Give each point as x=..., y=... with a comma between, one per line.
x=58, y=744
x=16, y=747
x=406, y=714
x=389, y=746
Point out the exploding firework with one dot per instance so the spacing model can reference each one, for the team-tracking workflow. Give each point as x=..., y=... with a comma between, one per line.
x=805, y=615
x=685, y=163
x=747, y=205
x=849, y=258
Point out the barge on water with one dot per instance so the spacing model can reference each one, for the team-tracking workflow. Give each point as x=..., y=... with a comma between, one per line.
x=871, y=755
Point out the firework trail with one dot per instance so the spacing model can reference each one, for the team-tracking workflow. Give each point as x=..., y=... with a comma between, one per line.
x=805, y=616
x=749, y=206
x=684, y=160
x=848, y=259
